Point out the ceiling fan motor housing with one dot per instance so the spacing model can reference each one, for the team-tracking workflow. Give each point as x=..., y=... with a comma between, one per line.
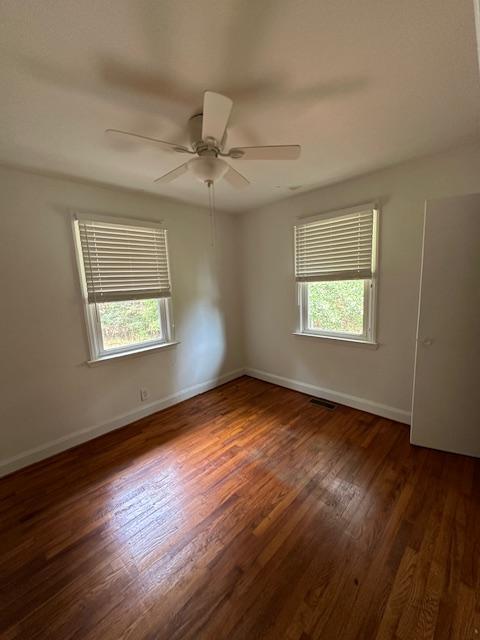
x=195, y=125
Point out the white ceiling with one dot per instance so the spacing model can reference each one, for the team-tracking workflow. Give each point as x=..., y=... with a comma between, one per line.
x=360, y=85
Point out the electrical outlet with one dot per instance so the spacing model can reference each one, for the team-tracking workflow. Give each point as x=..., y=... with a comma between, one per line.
x=144, y=394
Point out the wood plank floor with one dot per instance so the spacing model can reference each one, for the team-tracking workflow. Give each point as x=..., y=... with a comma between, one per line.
x=246, y=512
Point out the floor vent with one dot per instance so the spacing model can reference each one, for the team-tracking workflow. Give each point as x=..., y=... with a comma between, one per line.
x=331, y=406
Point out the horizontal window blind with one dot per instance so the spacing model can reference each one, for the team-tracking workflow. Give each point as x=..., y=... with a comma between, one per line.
x=335, y=248
x=124, y=262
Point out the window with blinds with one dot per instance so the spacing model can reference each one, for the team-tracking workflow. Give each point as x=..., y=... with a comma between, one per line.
x=125, y=276
x=335, y=268
x=124, y=262
x=335, y=248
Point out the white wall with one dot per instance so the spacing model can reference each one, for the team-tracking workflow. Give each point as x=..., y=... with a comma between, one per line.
x=49, y=396
x=50, y=399
x=379, y=380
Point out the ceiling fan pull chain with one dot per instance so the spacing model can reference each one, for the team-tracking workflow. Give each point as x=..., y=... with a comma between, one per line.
x=211, y=203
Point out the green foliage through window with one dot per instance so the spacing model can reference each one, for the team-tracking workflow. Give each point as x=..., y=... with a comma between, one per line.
x=129, y=322
x=336, y=306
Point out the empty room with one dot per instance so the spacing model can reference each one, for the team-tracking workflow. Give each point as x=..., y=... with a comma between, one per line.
x=240, y=274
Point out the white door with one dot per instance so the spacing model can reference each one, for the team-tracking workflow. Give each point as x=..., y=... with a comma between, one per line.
x=446, y=399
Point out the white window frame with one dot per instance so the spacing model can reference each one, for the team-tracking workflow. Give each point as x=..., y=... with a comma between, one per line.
x=368, y=335
x=92, y=317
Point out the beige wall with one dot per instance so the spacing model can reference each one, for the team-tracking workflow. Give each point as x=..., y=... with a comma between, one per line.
x=381, y=377
x=49, y=396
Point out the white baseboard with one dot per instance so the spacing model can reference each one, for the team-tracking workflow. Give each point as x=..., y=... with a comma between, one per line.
x=72, y=439
x=77, y=437
x=383, y=410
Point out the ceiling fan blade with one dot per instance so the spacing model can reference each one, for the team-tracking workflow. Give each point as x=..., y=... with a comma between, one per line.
x=173, y=174
x=275, y=152
x=216, y=112
x=235, y=179
x=168, y=145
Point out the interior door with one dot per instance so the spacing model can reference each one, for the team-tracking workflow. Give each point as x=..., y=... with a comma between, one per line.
x=446, y=399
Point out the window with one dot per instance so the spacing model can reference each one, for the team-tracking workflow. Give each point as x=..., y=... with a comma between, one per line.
x=335, y=268
x=125, y=279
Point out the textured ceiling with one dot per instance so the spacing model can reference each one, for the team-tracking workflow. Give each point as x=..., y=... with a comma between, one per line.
x=360, y=85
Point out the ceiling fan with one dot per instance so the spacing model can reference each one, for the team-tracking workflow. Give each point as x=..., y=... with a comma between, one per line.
x=208, y=136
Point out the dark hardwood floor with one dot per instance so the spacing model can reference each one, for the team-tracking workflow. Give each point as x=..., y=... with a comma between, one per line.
x=246, y=512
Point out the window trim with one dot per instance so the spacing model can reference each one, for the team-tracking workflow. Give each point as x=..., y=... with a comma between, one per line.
x=131, y=354
x=92, y=322
x=369, y=335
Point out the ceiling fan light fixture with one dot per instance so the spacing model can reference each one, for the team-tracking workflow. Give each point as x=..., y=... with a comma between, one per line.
x=208, y=168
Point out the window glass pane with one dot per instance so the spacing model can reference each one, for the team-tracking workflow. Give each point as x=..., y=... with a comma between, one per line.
x=336, y=306
x=129, y=322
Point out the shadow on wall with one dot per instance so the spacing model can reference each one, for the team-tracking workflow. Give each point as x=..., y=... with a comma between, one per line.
x=201, y=323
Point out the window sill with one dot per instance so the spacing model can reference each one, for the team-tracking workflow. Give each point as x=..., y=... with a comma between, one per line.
x=131, y=354
x=351, y=341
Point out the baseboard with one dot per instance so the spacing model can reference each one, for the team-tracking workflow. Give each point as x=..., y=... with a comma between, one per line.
x=334, y=396
x=72, y=439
